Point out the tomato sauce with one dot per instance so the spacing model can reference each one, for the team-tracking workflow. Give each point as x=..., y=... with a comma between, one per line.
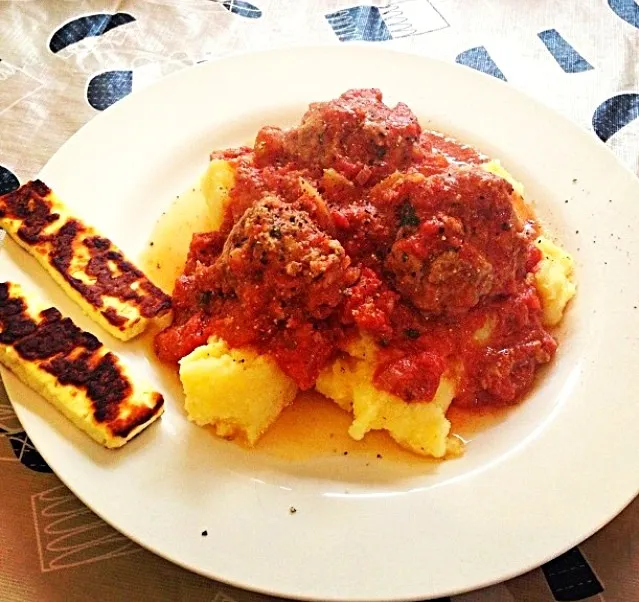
x=357, y=222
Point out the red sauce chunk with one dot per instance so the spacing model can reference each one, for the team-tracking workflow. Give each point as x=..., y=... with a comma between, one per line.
x=358, y=222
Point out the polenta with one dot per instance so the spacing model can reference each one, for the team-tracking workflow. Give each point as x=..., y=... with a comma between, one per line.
x=217, y=182
x=420, y=427
x=553, y=280
x=237, y=391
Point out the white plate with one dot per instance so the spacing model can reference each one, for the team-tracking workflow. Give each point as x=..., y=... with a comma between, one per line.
x=556, y=470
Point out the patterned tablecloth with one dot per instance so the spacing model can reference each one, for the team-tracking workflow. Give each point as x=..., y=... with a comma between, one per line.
x=63, y=62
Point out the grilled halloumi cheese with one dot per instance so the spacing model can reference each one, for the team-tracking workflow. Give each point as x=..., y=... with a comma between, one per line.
x=90, y=268
x=71, y=369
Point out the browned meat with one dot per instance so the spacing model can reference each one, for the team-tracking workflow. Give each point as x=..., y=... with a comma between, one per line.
x=275, y=260
x=459, y=240
x=281, y=247
x=357, y=134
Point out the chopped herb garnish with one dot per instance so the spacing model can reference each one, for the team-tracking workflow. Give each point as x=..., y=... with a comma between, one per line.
x=205, y=298
x=406, y=215
x=411, y=333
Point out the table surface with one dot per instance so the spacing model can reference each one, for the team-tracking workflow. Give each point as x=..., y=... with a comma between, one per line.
x=62, y=63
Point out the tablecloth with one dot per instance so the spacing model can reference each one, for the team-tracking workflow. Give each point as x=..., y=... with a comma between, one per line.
x=61, y=63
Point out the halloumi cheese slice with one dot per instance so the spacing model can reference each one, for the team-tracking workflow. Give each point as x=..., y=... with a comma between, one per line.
x=89, y=267
x=71, y=369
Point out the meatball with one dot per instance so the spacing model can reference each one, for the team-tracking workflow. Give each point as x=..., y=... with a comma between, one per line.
x=275, y=283
x=461, y=242
x=357, y=134
x=278, y=260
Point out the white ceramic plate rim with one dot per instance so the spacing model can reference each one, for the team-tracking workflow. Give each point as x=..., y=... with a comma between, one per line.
x=456, y=530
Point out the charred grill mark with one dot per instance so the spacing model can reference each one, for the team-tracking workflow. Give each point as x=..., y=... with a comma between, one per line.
x=103, y=381
x=139, y=416
x=53, y=338
x=114, y=317
x=15, y=325
x=74, y=358
x=112, y=275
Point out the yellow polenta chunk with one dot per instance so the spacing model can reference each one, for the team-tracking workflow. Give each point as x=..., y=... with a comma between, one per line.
x=421, y=427
x=217, y=183
x=553, y=280
x=236, y=391
x=337, y=382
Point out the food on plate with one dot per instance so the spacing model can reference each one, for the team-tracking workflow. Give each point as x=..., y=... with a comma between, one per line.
x=72, y=370
x=419, y=427
x=217, y=183
x=397, y=271
x=237, y=391
x=90, y=268
x=552, y=279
